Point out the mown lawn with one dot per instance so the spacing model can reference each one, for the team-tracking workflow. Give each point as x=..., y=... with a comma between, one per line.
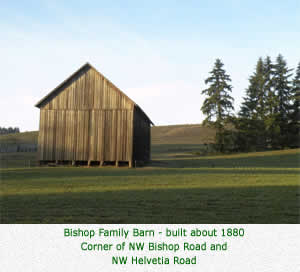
x=178, y=187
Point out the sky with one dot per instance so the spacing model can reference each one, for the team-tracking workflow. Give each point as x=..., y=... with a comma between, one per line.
x=158, y=52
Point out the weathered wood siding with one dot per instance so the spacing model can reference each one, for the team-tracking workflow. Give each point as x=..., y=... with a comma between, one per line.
x=83, y=135
x=88, y=90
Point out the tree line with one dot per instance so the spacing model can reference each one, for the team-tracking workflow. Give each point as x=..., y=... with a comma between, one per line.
x=269, y=116
x=9, y=130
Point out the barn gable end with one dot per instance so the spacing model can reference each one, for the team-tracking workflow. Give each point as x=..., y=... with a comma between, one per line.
x=86, y=89
x=87, y=118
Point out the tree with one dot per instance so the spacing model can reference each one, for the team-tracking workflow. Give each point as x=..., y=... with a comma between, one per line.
x=218, y=106
x=283, y=88
x=253, y=105
x=9, y=130
x=294, y=124
x=272, y=128
x=251, y=122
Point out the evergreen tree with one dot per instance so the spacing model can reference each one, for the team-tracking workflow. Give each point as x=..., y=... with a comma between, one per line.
x=283, y=88
x=272, y=128
x=251, y=122
x=294, y=124
x=250, y=106
x=218, y=105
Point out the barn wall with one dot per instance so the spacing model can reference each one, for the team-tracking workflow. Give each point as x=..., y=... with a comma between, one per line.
x=87, y=90
x=141, y=137
x=82, y=135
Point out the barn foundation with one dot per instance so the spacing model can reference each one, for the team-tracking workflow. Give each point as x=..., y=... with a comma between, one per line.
x=88, y=163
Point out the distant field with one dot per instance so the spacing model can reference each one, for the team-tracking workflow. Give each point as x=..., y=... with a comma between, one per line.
x=182, y=134
x=183, y=156
x=18, y=160
x=24, y=137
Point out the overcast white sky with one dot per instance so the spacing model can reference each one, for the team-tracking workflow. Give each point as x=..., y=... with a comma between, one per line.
x=157, y=52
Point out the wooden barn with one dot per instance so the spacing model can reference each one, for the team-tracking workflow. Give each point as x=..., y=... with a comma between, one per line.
x=88, y=120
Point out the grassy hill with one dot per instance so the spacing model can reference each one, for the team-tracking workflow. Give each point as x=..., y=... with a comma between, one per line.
x=175, y=134
x=182, y=134
x=20, y=138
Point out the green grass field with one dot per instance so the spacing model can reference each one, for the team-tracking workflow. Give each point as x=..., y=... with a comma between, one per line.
x=179, y=186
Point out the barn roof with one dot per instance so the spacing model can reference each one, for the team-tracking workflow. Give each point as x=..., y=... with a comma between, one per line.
x=84, y=67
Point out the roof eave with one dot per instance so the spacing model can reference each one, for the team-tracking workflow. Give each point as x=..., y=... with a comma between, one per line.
x=39, y=103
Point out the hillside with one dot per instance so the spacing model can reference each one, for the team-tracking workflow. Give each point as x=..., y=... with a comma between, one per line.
x=175, y=134
x=29, y=137
x=182, y=134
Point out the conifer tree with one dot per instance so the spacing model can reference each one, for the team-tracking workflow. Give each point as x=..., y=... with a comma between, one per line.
x=294, y=124
x=283, y=88
x=218, y=106
x=271, y=105
x=253, y=110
